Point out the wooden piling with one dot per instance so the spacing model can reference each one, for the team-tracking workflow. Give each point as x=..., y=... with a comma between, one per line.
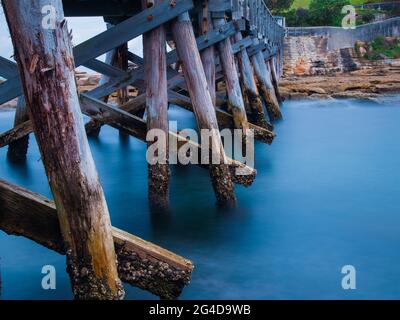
x=250, y=91
x=121, y=62
x=46, y=66
x=154, y=52
x=208, y=54
x=93, y=128
x=235, y=98
x=265, y=86
x=18, y=149
x=274, y=78
x=202, y=105
x=140, y=263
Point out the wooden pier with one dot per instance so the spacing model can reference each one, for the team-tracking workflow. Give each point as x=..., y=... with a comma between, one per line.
x=224, y=66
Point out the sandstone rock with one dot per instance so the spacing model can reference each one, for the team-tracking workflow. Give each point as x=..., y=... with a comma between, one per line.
x=316, y=90
x=89, y=80
x=301, y=67
x=297, y=95
x=317, y=96
x=356, y=95
x=362, y=51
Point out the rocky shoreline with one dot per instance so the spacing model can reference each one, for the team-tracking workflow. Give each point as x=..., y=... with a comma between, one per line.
x=366, y=84
x=371, y=84
x=314, y=70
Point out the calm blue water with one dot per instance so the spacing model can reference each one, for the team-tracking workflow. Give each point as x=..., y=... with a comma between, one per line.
x=326, y=195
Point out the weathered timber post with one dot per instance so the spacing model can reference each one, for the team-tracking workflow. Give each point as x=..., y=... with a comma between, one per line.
x=18, y=149
x=155, y=63
x=274, y=78
x=121, y=62
x=235, y=97
x=208, y=54
x=46, y=66
x=202, y=105
x=266, y=87
x=249, y=86
x=93, y=127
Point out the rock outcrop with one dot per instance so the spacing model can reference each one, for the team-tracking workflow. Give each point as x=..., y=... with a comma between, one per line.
x=368, y=83
x=312, y=71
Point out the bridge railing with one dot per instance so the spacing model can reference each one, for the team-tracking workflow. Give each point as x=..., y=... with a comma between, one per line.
x=261, y=22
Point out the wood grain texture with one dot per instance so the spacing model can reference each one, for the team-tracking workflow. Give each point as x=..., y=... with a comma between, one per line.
x=253, y=101
x=142, y=22
x=155, y=64
x=274, y=78
x=225, y=119
x=266, y=87
x=140, y=263
x=18, y=132
x=208, y=54
x=235, y=97
x=46, y=67
x=203, y=106
x=137, y=127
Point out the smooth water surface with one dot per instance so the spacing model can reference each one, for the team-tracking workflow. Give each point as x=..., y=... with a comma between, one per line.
x=327, y=195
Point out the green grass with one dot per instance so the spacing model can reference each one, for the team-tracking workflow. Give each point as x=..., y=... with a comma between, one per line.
x=301, y=4
x=306, y=3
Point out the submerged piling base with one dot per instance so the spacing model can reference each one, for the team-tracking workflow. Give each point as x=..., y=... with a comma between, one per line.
x=223, y=186
x=271, y=102
x=140, y=263
x=256, y=109
x=158, y=186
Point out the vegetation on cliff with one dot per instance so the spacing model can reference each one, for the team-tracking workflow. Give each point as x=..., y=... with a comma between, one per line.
x=308, y=13
x=379, y=49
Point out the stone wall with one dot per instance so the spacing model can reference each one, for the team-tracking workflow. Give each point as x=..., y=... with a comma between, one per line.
x=329, y=50
x=310, y=56
x=339, y=38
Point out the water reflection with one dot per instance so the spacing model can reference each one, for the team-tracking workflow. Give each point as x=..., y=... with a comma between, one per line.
x=326, y=195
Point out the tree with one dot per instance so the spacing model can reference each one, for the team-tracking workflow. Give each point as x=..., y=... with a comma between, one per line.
x=326, y=12
x=278, y=5
x=302, y=15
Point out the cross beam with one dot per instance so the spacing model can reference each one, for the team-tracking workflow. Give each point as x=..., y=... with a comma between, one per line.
x=140, y=23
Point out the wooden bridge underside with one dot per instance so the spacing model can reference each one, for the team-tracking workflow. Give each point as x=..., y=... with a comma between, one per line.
x=256, y=34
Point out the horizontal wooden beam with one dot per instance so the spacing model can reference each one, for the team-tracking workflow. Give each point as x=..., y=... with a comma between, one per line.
x=242, y=44
x=10, y=89
x=140, y=23
x=224, y=118
x=104, y=42
x=8, y=69
x=257, y=48
x=137, y=127
x=104, y=68
x=140, y=263
x=203, y=42
x=15, y=133
x=135, y=58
